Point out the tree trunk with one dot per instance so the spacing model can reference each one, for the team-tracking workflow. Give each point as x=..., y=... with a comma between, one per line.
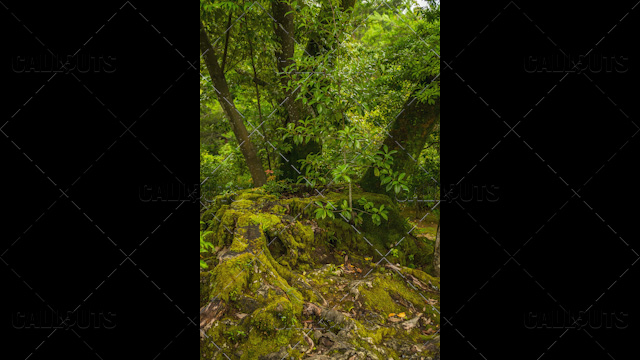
x=436, y=253
x=318, y=43
x=237, y=124
x=408, y=135
x=296, y=110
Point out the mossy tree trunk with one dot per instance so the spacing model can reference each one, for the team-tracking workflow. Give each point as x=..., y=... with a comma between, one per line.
x=408, y=135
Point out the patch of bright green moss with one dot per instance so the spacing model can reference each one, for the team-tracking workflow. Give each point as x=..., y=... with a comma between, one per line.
x=241, y=204
x=277, y=209
x=229, y=278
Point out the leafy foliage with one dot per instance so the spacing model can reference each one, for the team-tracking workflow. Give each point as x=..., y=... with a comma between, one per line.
x=379, y=57
x=205, y=246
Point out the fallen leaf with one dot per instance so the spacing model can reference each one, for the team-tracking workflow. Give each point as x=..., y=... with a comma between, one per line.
x=241, y=315
x=392, y=314
x=402, y=315
x=430, y=331
x=393, y=319
x=410, y=324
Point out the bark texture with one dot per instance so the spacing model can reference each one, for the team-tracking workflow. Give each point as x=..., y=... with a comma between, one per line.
x=408, y=135
x=296, y=110
x=226, y=101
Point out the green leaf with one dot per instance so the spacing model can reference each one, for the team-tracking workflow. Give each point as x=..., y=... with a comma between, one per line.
x=376, y=172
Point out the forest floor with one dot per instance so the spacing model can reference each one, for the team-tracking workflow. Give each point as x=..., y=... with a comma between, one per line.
x=426, y=226
x=282, y=284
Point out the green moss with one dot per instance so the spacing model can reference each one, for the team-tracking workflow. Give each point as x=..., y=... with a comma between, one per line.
x=265, y=220
x=379, y=297
x=224, y=231
x=279, y=314
x=238, y=245
x=214, y=206
x=423, y=276
x=277, y=209
x=230, y=277
x=377, y=335
x=298, y=206
x=241, y=204
x=258, y=345
x=309, y=296
x=252, y=221
x=250, y=196
x=264, y=321
x=304, y=233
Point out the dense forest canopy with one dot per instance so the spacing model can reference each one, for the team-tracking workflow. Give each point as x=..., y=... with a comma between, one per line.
x=350, y=67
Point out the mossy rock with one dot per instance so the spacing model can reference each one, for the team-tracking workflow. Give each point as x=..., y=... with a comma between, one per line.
x=269, y=253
